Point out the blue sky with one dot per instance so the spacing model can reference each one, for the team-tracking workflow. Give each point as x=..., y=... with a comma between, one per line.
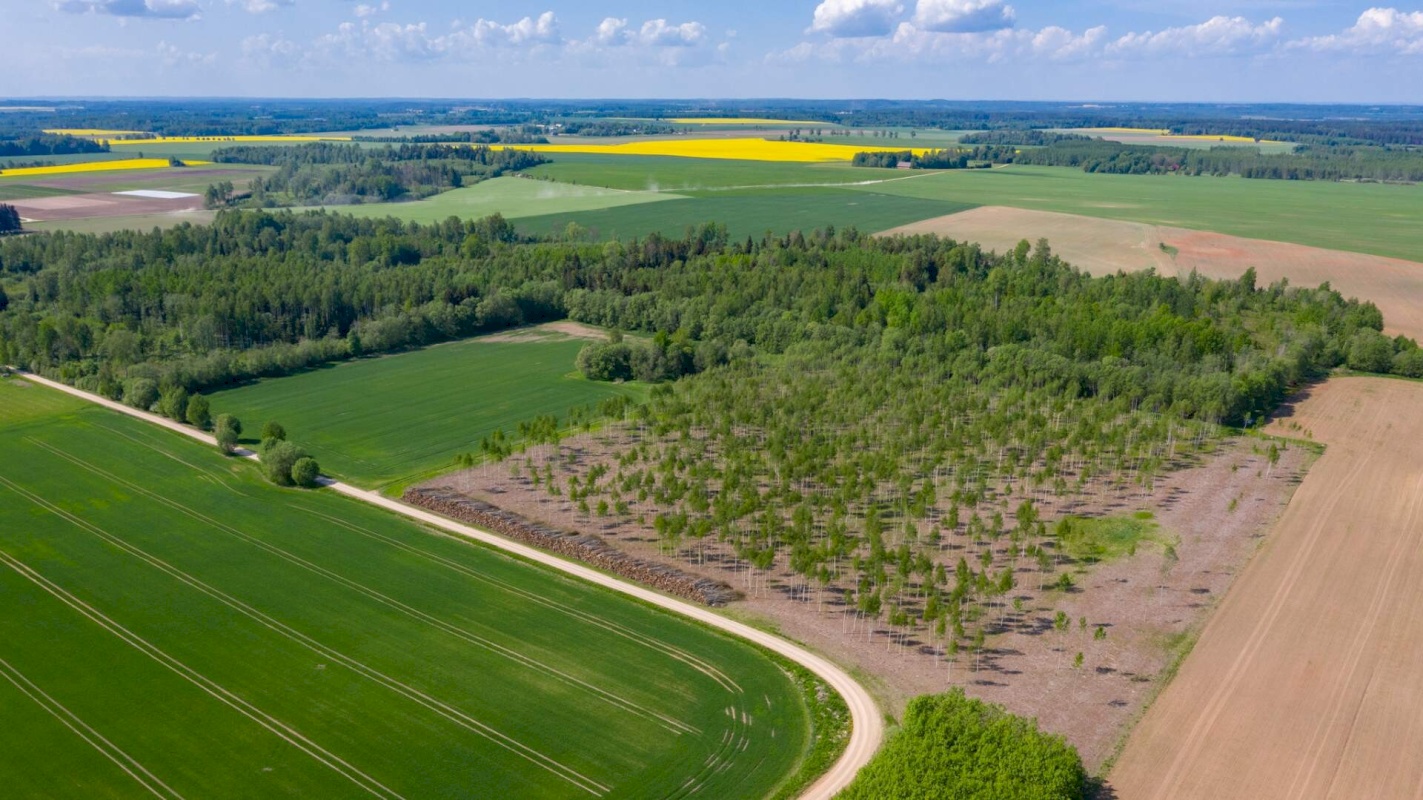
x=1111, y=50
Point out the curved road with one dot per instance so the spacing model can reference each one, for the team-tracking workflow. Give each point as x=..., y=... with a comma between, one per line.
x=867, y=729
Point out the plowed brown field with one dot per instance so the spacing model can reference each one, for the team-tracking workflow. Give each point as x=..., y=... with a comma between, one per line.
x=1102, y=246
x=1308, y=681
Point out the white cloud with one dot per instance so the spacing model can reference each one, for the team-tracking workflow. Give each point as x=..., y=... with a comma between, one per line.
x=262, y=6
x=1216, y=36
x=1378, y=31
x=150, y=9
x=611, y=31
x=266, y=49
x=855, y=18
x=173, y=56
x=915, y=42
x=364, y=10
x=963, y=16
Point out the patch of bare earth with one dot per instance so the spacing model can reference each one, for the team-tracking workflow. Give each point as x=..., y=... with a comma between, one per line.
x=84, y=206
x=1215, y=512
x=1306, y=683
x=1103, y=246
x=550, y=330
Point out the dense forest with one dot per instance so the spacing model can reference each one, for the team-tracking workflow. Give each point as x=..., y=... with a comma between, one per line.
x=952, y=746
x=49, y=145
x=326, y=173
x=523, y=134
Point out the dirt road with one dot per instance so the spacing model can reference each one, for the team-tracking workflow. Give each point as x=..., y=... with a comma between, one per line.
x=1307, y=681
x=868, y=725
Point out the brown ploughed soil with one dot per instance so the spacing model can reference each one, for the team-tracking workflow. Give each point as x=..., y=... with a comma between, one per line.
x=83, y=206
x=1308, y=680
x=1215, y=512
x=1102, y=246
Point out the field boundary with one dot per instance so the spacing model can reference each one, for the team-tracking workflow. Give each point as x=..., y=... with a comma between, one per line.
x=867, y=724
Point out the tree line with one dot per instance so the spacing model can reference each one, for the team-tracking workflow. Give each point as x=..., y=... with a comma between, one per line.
x=9, y=222
x=49, y=145
x=326, y=173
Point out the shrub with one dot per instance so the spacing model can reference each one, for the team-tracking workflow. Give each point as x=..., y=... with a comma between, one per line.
x=199, y=412
x=953, y=746
x=173, y=404
x=1370, y=351
x=278, y=459
x=1409, y=363
x=305, y=472
x=141, y=393
x=273, y=430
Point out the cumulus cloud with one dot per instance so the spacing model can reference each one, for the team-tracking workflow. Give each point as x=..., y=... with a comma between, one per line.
x=947, y=30
x=963, y=16
x=1216, y=36
x=613, y=32
x=173, y=56
x=364, y=10
x=150, y=9
x=262, y=6
x=1378, y=31
x=856, y=18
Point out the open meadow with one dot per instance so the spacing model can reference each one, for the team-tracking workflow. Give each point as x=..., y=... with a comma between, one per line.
x=261, y=642
x=1305, y=684
x=751, y=212
x=509, y=196
x=379, y=420
x=1380, y=219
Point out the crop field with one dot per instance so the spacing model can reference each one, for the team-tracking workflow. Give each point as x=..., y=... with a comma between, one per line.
x=1358, y=217
x=378, y=420
x=752, y=212
x=1306, y=682
x=1164, y=138
x=21, y=191
x=88, y=166
x=69, y=158
x=671, y=174
x=1103, y=247
x=740, y=149
x=265, y=642
x=512, y=197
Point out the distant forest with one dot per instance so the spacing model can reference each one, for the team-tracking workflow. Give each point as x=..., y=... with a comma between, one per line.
x=49, y=145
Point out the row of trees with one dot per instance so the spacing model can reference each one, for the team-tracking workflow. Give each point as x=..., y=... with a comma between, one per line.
x=1311, y=162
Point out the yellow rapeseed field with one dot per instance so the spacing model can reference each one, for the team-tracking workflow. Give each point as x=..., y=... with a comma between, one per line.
x=733, y=149
x=95, y=132
x=235, y=139
x=744, y=121
x=93, y=166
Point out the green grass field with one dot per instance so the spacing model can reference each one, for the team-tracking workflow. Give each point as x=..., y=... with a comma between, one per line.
x=76, y=158
x=1366, y=218
x=753, y=213
x=380, y=420
x=136, y=222
x=20, y=191
x=172, y=625
x=672, y=174
x=512, y=197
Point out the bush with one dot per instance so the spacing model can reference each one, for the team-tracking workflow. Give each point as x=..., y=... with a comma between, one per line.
x=1370, y=351
x=273, y=430
x=305, y=472
x=199, y=412
x=174, y=403
x=952, y=746
x=278, y=459
x=1409, y=363
x=229, y=421
x=141, y=393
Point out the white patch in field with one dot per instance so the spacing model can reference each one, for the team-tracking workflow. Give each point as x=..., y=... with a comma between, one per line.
x=156, y=194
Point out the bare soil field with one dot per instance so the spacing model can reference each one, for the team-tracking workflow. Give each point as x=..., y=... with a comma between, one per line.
x=1102, y=246
x=84, y=206
x=1306, y=682
x=1149, y=603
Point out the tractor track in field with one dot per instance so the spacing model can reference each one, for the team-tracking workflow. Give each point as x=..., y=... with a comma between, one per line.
x=867, y=725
